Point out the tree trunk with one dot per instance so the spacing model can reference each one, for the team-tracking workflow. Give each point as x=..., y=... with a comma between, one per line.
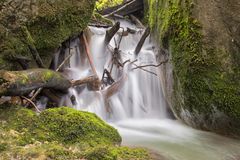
x=18, y=83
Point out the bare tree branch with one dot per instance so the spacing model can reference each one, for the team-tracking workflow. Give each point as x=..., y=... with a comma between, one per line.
x=151, y=65
x=119, y=9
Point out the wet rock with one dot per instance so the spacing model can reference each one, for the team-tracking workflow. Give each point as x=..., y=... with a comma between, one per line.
x=202, y=81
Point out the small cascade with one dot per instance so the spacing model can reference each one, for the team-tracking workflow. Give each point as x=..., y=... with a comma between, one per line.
x=141, y=93
x=137, y=107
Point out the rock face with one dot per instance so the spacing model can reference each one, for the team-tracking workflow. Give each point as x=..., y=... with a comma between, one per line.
x=202, y=81
x=48, y=22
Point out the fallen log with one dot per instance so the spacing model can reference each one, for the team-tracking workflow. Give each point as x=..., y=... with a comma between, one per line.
x=88, y=80
x=99, y=25
x=111, y=32
x=142, y=40
x=124, y=9
x=19, y=83
x=136, y=21
x=89, y=56
x=16, y=83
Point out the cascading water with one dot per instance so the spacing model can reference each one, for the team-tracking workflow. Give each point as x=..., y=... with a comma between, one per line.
x=141, y=94
x=138, y=109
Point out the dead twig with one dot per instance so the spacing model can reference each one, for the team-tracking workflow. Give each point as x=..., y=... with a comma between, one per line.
x=30, y=101
x=146, y=70
x=151, y=65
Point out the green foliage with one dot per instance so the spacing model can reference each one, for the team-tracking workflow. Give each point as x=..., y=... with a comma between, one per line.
x=101, y=4
x=119, y=153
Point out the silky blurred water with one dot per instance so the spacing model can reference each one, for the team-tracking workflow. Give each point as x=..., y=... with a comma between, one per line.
x=138, y=109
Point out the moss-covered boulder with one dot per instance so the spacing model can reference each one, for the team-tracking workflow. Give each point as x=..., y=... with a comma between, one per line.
x=48, y=22
x=203, y=41
x=60, y=133
x=64, y=125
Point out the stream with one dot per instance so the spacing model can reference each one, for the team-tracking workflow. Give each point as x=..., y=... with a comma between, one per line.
x=138, y=109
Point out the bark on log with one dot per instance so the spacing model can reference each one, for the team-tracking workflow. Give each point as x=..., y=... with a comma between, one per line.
x=142, y=40
x=111, y=32
x=18, y=83
x=22, y=82
x=91, y=80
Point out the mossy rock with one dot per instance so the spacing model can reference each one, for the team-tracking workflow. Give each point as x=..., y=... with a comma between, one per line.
x=64, y=125
x=205, y=60
x=49, y=23
x=59, y=134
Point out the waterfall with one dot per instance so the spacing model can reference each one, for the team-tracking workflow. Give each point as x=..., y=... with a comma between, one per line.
x=138, y=109
x=140, y=96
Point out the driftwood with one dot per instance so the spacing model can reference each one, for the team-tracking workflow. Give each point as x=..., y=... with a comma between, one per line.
x=120, y=8
x=124, y=9
x=31, y=102
x=136, y=21
x=131, y=31
x=18, y=83
x=142, y=40
x=115, y=87
x=99, y=25
x=111, y=32
x=91, y=80
x=89, y=56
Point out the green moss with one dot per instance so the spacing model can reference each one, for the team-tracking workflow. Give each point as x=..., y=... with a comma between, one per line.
x=201, y=85
x=102, y=4
x=61, y=133
x=117, y=153
x=126, y=153
x=3, y=147
x=70, y=126
x=53, y=24
x=64, y=125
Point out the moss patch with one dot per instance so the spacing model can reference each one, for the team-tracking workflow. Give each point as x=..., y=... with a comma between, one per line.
x=64, y=125
x=61, y=133
x=48, y=24
x=202, y=86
